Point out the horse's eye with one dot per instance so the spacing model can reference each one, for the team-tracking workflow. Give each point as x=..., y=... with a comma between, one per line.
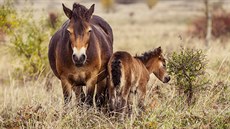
x=164, y=65
x=90, y=31
x=69, y=30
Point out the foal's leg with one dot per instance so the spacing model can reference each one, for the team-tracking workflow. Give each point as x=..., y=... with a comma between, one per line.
x=67, y=90
x=124, y=96
x=123, y=107
x=131, y=102
x=141, y=93
x=112, y=93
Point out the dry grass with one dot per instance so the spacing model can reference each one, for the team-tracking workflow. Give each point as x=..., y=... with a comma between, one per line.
x=28, y=105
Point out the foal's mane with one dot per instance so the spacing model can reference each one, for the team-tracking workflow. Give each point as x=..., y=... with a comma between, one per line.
x=144, y=57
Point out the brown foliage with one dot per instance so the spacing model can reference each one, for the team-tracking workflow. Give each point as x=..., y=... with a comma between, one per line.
x=28, y=117
x=220, y=26
x=53, y=19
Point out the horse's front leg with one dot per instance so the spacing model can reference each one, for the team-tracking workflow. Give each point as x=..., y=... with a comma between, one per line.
x=67, y=90
x=90, y=89
x=79, y=93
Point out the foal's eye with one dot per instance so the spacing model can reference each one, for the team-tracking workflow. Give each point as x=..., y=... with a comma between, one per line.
x=90, y=31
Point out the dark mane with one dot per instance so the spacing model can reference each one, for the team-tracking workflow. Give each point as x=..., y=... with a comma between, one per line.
x=79, y=11
x=144, y=57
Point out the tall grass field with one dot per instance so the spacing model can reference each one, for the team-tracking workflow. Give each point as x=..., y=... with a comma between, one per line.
x=32, y=98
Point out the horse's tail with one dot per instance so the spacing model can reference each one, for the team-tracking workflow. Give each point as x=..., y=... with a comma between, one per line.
x=116, y=71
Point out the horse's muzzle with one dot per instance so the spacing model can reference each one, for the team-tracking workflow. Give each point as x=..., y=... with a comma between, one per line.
x=79, y=61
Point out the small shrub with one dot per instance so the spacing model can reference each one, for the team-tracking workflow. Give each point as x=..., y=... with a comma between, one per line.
x=7, y=18
x=188, y=66
x=28, y=40
x=28, y=46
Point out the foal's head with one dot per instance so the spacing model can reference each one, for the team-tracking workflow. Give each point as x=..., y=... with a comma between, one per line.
x=79, y=31
x=155, y=63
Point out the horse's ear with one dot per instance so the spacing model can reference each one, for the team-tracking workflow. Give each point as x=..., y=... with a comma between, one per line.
x=67, y=11
x=89, y=13
x=159, y=50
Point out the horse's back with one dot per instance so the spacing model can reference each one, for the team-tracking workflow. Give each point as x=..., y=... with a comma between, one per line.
x=104, y=34
x=122, y=60
x=119, y=60
x=96, y=20
x=55, y=42
x=51, y=53
x=55, y=39
x=122, y=55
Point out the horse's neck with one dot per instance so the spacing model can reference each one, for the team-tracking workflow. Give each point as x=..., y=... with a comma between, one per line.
x=149, y=65
x=144, y=63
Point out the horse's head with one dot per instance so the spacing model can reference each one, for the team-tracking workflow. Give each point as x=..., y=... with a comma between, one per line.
x=158, y=65
x=79, y=31
x=155, y=63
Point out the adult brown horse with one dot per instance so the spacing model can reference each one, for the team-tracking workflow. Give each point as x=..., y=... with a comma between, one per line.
x=79, y=52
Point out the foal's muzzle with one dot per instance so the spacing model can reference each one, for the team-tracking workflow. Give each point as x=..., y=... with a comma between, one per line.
x=166, y=79
x=79, y=61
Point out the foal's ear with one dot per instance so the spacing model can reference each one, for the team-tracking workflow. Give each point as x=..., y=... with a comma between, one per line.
x=89, y=13
x=67, y=11
x=159, y=50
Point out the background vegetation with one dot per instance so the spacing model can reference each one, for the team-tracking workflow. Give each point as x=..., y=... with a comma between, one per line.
x=25, y=74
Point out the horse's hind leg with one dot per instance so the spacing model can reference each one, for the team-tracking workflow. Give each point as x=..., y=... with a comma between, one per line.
x=112, y=92
x=122, y=105
x=141, y=92
x=101, y=92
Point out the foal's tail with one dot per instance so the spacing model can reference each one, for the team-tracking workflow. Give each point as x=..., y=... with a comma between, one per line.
x=116, y=71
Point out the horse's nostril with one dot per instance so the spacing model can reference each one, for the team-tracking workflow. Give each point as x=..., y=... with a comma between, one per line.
x=79, y=60
x=74, y=57
x=82, y=58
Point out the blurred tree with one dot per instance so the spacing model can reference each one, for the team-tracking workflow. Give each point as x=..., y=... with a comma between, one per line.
x=126, y=1
x=27, y=40
x=7, y=18
x=108, y=5
x=151, y=3
x=208, y=16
